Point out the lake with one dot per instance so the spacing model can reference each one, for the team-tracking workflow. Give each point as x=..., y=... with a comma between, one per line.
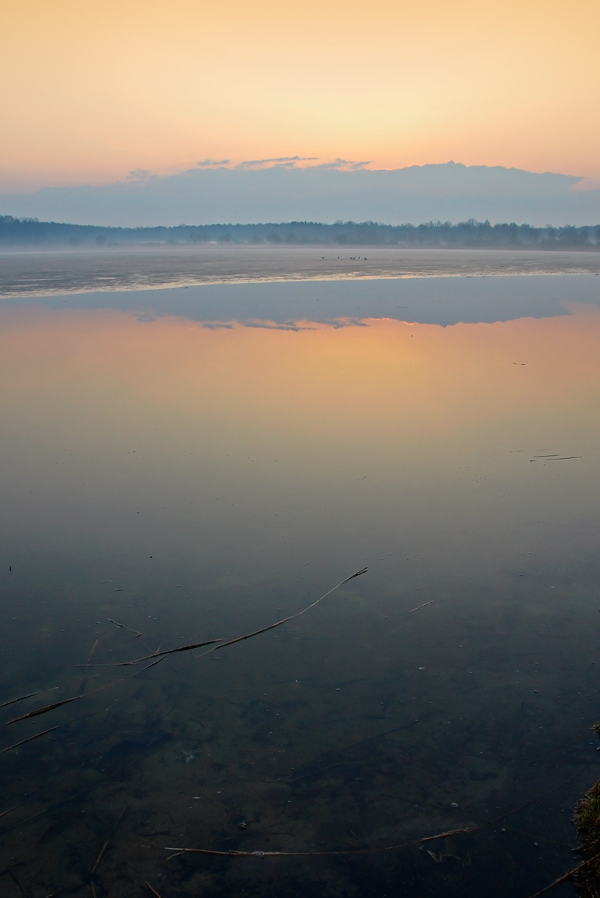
x=189, y=464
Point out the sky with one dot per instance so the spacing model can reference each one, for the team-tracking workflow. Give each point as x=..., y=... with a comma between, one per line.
x=93, y=90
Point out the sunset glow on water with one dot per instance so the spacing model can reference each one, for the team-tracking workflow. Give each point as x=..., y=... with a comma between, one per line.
x=193, y=478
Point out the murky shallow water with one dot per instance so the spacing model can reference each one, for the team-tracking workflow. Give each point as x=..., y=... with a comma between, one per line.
x=193, y=481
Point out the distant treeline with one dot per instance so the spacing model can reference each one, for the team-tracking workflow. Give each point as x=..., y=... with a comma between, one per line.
x=31, y=232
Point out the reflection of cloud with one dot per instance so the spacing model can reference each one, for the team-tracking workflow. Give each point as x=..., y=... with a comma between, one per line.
x=273, y=326
x=281, y=160
x=346, y=164
x=304, y=325
x=214, y=325
x=347, y=322
x=211, y=163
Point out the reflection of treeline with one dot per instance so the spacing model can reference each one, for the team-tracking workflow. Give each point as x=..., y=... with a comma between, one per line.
x=31, y=232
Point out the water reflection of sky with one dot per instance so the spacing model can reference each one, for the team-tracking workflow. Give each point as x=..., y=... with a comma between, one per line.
x=112, y=424
x=431, y=300
x=154, y=468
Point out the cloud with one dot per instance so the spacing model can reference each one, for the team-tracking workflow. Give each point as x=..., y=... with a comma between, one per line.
x=211, y=163
x=297, y=188
x=280, y=160
x=139, y=176
x=274, y=326
x=345, y=164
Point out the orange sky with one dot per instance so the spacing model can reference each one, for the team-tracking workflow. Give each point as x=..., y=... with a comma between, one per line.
x=94, y=89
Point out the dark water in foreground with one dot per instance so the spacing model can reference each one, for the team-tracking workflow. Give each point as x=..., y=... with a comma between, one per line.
x=193, y=481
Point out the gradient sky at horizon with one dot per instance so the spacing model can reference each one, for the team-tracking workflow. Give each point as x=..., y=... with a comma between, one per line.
x=93, y=90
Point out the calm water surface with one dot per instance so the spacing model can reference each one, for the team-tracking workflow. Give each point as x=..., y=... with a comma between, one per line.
x=196, y=471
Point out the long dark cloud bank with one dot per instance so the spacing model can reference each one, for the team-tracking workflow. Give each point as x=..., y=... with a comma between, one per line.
x=284, y=192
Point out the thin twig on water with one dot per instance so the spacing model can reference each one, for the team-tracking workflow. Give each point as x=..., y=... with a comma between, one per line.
x=181, y=648
x=292, y=616
x=345, y=851
x=45, y=709
x=91, y=654
x=65, y=701
x=123, y=627
x=424, y=605
x=222, y=644
x=21, y=698
x=30, y=739
x=563, y=878
x=443, y=835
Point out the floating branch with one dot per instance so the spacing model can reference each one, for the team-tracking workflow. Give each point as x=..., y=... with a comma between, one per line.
x=30, y=739
x=158, y=656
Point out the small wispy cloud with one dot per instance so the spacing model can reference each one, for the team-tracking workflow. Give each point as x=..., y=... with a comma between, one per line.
x=279, y=160
x=212, y=163
x=139, y=176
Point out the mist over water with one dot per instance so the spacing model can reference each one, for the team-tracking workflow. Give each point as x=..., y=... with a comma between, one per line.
x=197, y=464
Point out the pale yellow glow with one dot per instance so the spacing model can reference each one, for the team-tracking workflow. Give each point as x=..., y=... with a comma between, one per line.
x=92, y=90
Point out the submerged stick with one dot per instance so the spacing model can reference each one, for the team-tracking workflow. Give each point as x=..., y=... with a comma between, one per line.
x=4, y=813
x=563, y=878
x=65, y=701
x=108, y=841
x=345, y=851
x=154, y=892
x=424, y=605
x=123, y=627
x=91, y=654
x=155, y=657
x=13, y=701
x=443, y=835
x=30, y=739
x=181, y=648
x=45, y=709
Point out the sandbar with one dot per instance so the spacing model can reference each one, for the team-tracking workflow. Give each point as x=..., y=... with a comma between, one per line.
x=47, y=272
